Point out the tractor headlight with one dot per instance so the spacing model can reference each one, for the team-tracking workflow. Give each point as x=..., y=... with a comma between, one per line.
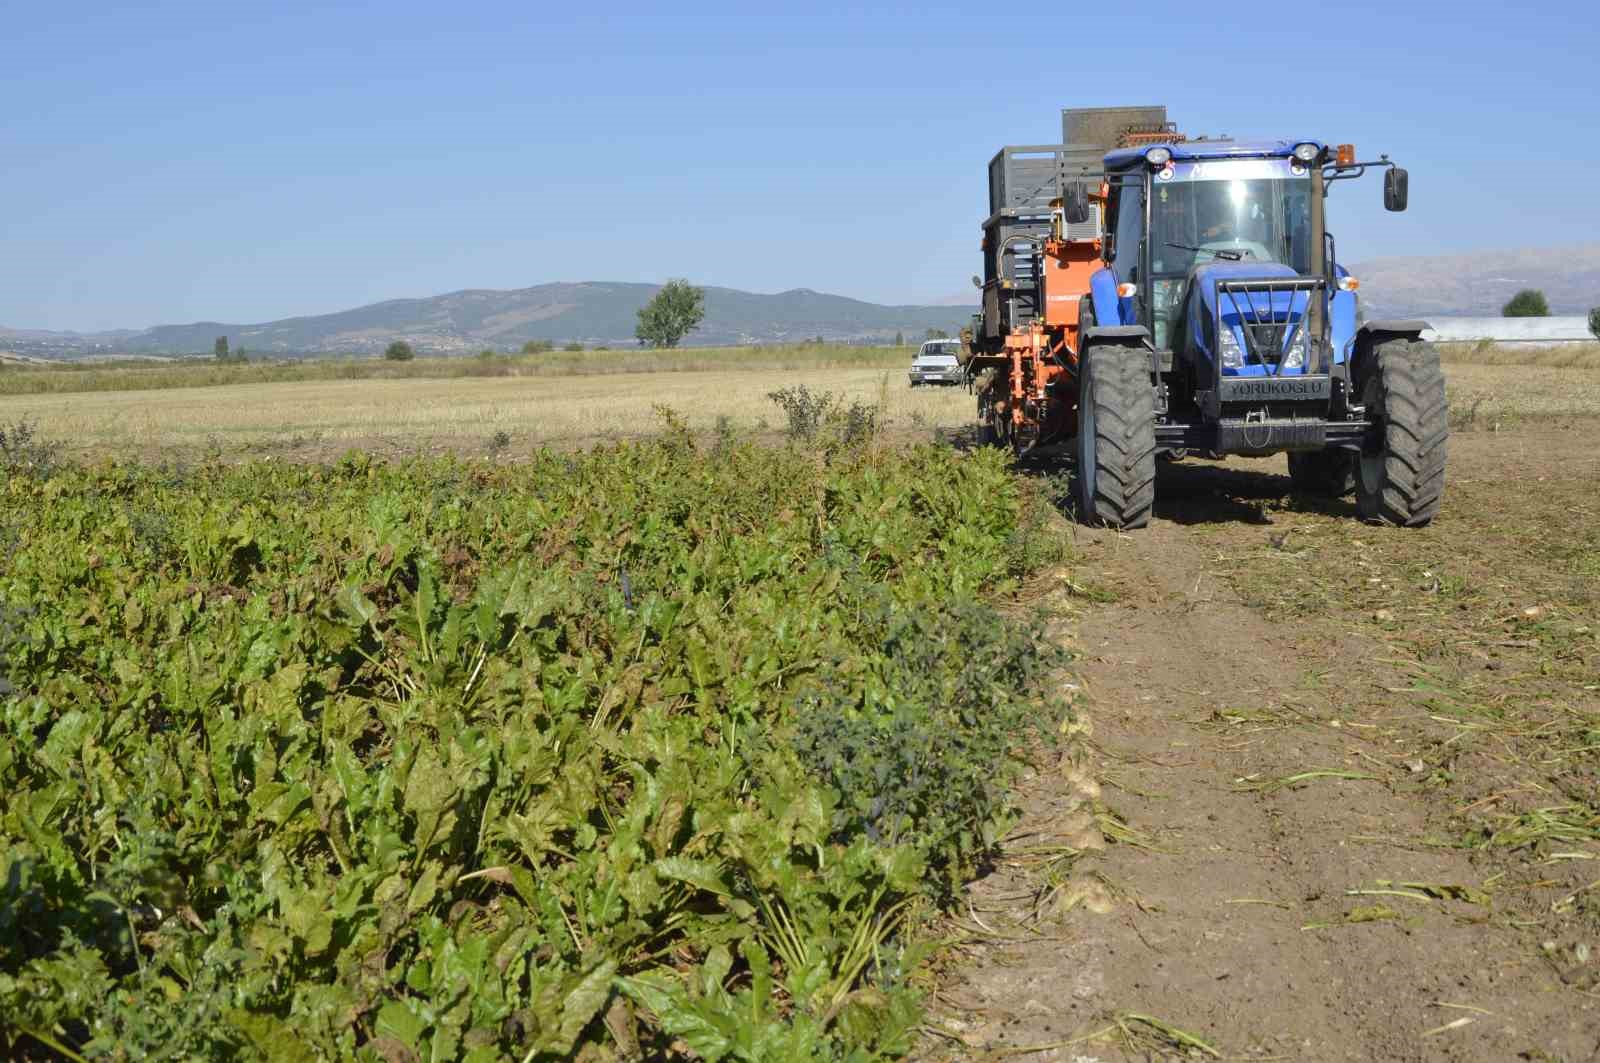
x=1295, y=356
x=1306, y=152
x=1228, y=349
x=1158, y=157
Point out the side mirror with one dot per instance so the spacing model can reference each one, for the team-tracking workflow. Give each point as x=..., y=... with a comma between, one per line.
x=1075, y=203
x=1394, y=189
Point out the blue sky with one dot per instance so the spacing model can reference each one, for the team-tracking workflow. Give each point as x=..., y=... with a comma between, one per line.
x=171, y=162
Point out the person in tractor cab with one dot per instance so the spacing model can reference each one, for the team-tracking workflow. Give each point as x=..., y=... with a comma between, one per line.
x=1216, y=206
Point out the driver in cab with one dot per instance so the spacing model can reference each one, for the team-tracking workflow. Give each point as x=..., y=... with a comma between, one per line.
x=1219, y=206
x=1236, y=231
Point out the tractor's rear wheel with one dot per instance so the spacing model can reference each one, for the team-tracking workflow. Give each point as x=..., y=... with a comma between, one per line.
x=988, y=428
x=1116, y=438
x=1400, y=474
x=988, y=436
x=1330, y=473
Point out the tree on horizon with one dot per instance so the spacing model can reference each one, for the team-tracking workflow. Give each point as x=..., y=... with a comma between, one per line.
x=1529, y=302
x=677, y=310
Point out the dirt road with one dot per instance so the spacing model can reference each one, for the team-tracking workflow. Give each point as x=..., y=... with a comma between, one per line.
x=1346, y=779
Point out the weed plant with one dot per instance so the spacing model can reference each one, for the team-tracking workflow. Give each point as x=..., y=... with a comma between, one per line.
x=822, y=416
x=24, y=453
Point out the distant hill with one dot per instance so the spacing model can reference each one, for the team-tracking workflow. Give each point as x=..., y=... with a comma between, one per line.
x=590, y=313
x=603, y=312
x=1478, y=284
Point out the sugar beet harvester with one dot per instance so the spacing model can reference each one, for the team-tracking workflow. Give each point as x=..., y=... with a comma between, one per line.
x=1147, y=295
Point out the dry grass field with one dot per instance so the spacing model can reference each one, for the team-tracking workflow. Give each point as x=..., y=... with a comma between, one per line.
x=458, y=413
x=576, y=399
x=155, y=374
x=1556, y=355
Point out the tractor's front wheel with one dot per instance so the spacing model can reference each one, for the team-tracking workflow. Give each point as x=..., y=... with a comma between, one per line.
x=1116, y=438
x=1330, y=473
x=1400, y=474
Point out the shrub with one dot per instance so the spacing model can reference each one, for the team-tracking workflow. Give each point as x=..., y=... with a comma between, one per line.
x=399, y=351
x=573, y=346
x=23, y=453
x=538, y=346
x=1529, y=302
x=1594, y=322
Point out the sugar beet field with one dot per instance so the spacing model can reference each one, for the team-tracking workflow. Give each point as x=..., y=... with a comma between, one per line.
x=801, y=731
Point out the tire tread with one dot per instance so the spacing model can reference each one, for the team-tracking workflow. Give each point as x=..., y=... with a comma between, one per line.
x=1125, y=438
x=1416, y=436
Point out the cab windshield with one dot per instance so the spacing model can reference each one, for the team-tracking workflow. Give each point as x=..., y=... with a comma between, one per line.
x=1244, y=211
x=1247, y=211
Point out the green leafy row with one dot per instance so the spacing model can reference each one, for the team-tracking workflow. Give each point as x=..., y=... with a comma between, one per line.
x=657, y=750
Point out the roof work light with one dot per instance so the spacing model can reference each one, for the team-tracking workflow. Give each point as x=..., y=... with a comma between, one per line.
x=1158, y=157
x=1305, y=152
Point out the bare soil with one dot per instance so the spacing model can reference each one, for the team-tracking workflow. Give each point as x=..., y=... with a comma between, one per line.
x=1417, y=899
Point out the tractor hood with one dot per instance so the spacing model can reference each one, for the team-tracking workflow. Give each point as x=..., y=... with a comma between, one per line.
x=1257, y=309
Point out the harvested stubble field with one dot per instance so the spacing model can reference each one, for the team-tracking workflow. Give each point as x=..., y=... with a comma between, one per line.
x=201, y=372
x=319, y=410
x=323, y=418
x=1332, y=794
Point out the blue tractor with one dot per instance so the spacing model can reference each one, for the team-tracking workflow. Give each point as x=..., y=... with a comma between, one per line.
x=1204, y=313
x=1222, y=323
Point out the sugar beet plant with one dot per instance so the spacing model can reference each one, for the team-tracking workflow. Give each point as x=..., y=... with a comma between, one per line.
x=647, y=752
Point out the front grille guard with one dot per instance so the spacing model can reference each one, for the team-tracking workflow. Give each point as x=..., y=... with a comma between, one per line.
x=1266, y=337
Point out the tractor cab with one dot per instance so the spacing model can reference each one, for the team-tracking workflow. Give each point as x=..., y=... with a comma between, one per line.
x=1186, y=224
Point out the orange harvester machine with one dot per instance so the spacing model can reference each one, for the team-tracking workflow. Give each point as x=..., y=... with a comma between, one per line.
x=1023, y=346
x=1030, y=397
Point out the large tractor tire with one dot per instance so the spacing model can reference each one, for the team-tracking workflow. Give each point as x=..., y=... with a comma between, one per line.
x=988, y=435
x=1329, y=473
x=1400, y=474
x=988, y=429
x=1116, y=438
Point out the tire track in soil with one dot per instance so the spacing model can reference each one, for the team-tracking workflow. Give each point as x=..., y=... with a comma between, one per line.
x=1204, y=930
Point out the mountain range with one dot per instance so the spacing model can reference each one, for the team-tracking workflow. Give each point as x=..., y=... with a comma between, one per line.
x=592, y=313
x=604, y=312
x=1479, y=284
